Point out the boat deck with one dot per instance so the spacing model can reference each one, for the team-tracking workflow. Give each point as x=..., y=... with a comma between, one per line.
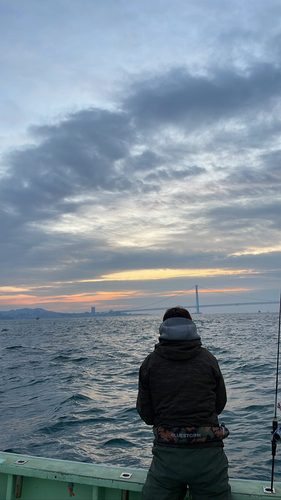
x=36, y=478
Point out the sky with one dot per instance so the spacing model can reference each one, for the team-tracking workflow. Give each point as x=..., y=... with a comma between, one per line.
x=140, y=149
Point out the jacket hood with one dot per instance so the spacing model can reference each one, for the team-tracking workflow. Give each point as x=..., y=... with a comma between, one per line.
x=179, y=329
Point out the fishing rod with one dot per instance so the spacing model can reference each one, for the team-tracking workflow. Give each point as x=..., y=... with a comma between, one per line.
x=276, y=430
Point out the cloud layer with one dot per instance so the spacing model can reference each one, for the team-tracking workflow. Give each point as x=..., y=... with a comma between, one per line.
x=182, y=171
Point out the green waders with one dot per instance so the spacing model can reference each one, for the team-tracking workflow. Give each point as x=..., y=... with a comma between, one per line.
x=204, y=470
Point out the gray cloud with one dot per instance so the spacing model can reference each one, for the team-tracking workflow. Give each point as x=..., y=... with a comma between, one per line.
x=73, y=157
x=236, y=216
x=155, y=164
x=181, y=99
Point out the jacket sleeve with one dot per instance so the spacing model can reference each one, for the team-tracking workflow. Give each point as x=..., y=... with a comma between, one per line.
x=220, y=393
x=144, y=400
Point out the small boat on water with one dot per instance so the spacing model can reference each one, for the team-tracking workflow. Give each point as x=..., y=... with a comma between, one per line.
x=36, y=478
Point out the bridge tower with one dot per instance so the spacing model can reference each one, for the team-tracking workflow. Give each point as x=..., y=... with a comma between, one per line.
x=197, y=300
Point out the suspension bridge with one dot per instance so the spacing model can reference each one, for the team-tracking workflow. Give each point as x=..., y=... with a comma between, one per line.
x=198, y=306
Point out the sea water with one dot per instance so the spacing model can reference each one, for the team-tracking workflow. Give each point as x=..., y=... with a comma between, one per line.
x=69, y=387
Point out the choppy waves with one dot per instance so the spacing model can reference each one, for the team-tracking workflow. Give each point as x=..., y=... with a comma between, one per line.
x=69, y=388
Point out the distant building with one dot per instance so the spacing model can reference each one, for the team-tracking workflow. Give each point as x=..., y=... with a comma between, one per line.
x=93, y=311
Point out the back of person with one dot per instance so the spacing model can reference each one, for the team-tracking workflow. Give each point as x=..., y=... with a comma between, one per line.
x=181, y=393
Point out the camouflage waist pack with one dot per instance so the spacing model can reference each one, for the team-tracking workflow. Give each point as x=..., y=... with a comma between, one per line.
x=189, y=435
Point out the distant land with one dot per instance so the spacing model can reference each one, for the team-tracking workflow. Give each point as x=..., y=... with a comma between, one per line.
x=39, y=313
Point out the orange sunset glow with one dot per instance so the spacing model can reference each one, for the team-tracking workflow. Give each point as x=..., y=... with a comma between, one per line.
x=23, y=296
x=101, y=299
x=162, y=274
x=159, y=274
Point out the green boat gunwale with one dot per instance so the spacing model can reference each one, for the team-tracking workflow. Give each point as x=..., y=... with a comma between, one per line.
x=102, y=478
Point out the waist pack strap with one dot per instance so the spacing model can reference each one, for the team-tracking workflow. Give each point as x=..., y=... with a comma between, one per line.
x=187, y=435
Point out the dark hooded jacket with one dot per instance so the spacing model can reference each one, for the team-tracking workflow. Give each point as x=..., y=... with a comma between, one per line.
x=180, y=382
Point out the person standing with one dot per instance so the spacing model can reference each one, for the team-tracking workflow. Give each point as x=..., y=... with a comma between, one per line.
x=181, y=393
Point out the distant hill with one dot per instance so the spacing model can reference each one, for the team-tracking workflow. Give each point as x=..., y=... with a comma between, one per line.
x=32, y=314
x=39, y=313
